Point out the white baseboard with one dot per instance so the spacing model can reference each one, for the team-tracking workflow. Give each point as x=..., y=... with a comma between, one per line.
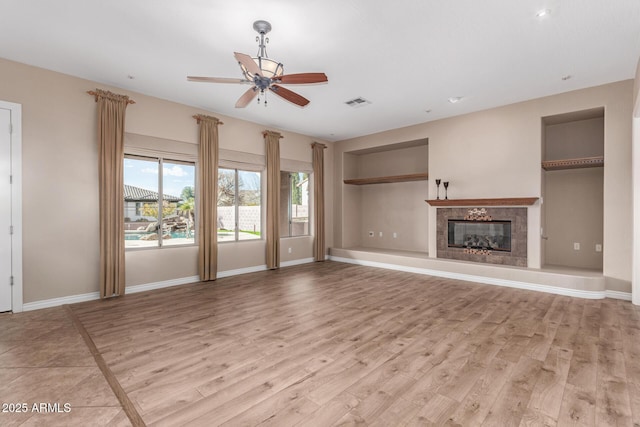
x=54, y=302
x=296, y=262
x=491, y=281
x=91, y=296
x=229, y=273
x=159, y=285
x=73, y=299
x=626, y=296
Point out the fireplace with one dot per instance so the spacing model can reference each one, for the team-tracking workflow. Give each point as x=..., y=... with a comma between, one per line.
x=495, y=235
x=487, y=235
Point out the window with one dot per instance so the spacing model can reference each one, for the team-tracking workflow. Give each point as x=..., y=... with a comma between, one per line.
x=147, y=181
x=294, y=204
x=239, y=205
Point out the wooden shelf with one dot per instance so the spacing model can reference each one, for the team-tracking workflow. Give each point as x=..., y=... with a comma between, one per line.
x=388, y=179
x=582, y=162
x=511, y=201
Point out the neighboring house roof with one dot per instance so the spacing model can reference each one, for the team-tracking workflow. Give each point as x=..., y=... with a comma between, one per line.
x=137, y=194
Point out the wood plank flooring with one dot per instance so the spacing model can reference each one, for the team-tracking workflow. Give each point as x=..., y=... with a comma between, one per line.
x=337, y=344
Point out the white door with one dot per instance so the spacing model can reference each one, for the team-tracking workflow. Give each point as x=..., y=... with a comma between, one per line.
x=5, y=210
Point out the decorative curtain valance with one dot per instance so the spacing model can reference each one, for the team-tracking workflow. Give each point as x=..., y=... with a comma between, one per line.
x=272, y=150
x=319, y=247
x=111, y=119
x=207, y=187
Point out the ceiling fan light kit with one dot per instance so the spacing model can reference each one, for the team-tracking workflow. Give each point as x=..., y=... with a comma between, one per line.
x=265, y=74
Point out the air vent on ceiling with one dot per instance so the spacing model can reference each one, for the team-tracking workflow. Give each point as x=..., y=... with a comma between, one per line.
x=357, y=102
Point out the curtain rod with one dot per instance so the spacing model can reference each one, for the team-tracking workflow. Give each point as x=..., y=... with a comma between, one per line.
x=200, y=117
x=96, y=95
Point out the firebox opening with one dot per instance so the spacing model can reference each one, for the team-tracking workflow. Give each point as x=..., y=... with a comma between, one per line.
x=488, y=235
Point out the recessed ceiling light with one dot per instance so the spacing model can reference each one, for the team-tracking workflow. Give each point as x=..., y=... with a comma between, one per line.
x=542, y=13
x=130, y=77
x=567, y=77
x=455, y=99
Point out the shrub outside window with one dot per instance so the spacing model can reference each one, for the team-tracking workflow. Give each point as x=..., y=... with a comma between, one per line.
x=159, y=202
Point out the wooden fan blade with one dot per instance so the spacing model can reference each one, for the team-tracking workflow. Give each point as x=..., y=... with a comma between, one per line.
x=289, y=95
x=216, y=80
x=248, y=63
x=302, y=78
x=246, y=98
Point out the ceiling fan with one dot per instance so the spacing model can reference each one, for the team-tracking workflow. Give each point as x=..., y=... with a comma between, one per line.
x=265, y=74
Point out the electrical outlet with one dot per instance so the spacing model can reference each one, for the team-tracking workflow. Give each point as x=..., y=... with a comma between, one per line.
x=371, y=233
x=395, y=235
x=576, y=246
x=598, y=247
x=289, y=250
x=380, y=234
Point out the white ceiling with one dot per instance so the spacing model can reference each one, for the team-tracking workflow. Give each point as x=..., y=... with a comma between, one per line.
x=405, y=56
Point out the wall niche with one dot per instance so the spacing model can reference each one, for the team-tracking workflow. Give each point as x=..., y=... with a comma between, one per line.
x=384, y=191
x=573, y=188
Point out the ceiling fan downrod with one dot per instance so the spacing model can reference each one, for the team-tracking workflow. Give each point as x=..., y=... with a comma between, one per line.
x=262, y=27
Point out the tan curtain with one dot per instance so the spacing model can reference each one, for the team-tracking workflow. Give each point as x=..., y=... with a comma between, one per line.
x=272, y=149
x=208, y=197
x=111, y=115
x=319, y=249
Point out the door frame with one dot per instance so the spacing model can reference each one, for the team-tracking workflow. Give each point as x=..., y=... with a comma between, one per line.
x=16, y=203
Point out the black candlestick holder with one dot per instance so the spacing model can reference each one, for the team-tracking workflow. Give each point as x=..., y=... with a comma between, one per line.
x=446, y=186
x=438, y=189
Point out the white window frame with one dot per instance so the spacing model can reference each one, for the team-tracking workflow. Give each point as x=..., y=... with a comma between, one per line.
x=236, y=189
x=289, y=205
x=160, y=161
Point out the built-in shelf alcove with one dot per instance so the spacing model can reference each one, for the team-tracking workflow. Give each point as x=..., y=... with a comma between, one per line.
x=383, y=197
x=573, y=165
x=388, y=179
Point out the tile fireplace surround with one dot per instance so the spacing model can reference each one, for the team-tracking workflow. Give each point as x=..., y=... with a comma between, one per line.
x=518, y=218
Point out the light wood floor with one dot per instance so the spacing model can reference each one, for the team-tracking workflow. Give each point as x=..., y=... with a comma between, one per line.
x=336, y=344
x=43, y=359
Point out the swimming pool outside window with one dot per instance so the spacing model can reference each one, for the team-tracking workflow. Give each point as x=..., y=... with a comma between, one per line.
x=159, y=202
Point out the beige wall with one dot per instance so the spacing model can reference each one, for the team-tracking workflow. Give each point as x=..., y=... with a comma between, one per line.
x=497, y=153
x=399, y=161
x=573, y=199
x=388, y=208
x=395, y=208
x=581, y=138
x=573, y=206
x=60, y=182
